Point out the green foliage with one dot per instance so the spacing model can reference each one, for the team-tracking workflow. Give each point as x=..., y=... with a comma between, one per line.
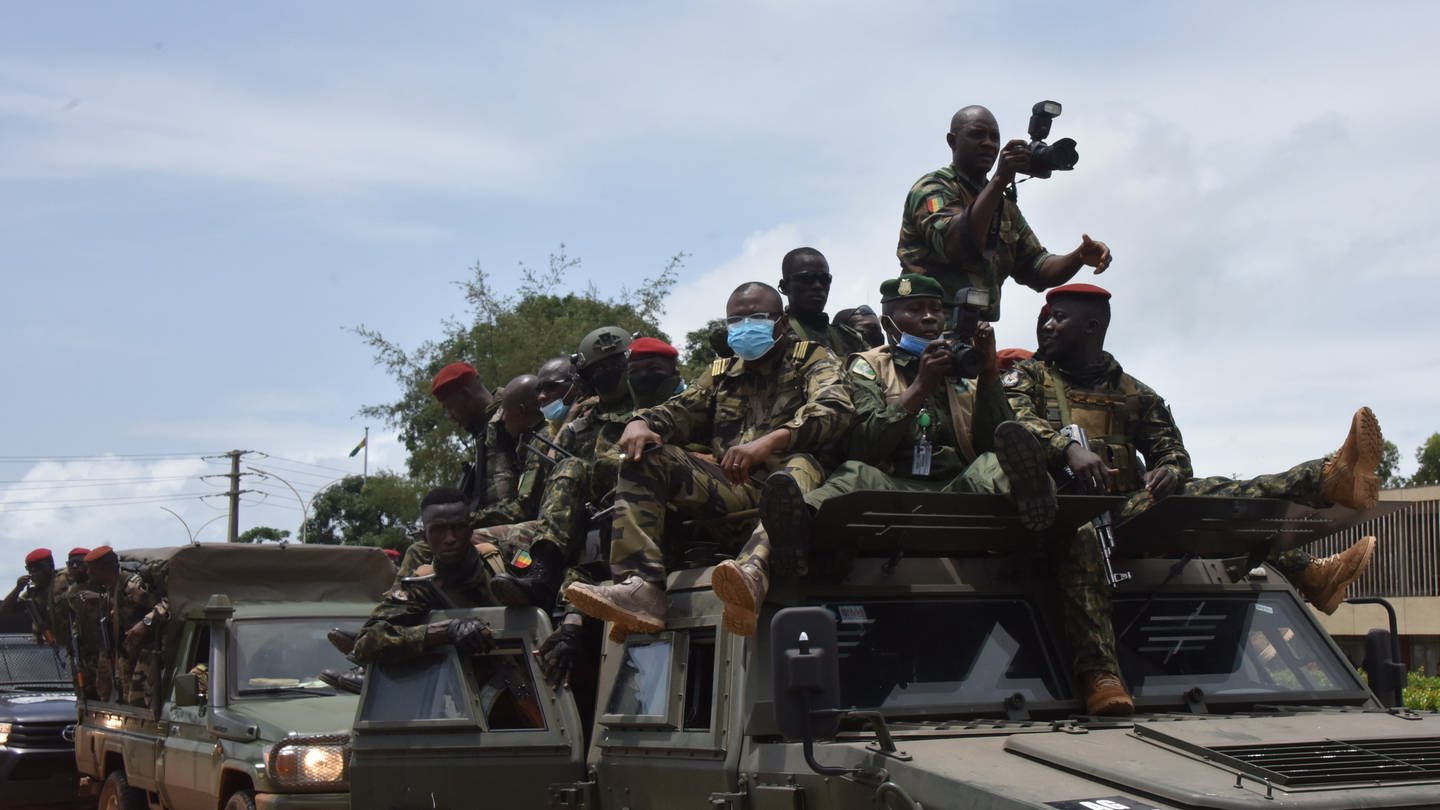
x=697, y=352
x=1389, y=469
x=261, y=534
x=1422, y=692
x=502, y=336
x=1428, y=455
x=354, y=511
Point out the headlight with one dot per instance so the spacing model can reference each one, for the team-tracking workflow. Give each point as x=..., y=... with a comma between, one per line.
x=4, y=733
x=309, y=764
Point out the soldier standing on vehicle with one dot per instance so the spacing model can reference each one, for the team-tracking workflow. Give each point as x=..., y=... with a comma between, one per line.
x=135, y=610
x=397, y=629
x=962, y=229
x=36, y=584
x=805, y=279
x=767, y=411
x=1079, y=382
x=80, y=620
x=558, y=391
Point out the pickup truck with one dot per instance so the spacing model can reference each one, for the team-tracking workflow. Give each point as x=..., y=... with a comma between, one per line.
x=922, y=665
x=37, y=717
x=254, y=727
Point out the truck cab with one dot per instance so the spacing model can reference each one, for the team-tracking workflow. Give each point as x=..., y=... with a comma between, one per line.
x=923, y=664
x=240, y=719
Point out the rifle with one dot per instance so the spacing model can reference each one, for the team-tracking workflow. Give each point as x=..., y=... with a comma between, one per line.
x=527, y=447
x=107, y=640
x=37, y=619
x=77, y=666
x=473, y=475
x=1104, y=525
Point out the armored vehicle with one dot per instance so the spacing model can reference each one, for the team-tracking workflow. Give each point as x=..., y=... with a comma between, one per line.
x=922, y=665
x=240, y=719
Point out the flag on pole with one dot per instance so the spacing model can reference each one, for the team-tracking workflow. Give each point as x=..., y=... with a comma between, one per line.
x=359, y=447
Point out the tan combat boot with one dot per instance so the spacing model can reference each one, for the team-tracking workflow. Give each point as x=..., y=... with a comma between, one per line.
x=1349, y=477
x=789, y=523
x=742, y=589
x=1105, y=695
x=1323, y=582
x=634, y=605
x=1023, y=460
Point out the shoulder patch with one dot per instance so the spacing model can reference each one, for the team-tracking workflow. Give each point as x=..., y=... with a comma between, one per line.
x=1010, y=379
x=802, y=350
x=861, y=368
x=934, y=203
x=398, y=595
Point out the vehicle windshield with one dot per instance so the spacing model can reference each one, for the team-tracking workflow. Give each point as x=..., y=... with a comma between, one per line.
x=942, y=656
x=27, y=663
x=1240, y=647
x=285, y=656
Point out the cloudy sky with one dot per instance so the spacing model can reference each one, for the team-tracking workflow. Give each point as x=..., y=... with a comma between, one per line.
x=198, y=201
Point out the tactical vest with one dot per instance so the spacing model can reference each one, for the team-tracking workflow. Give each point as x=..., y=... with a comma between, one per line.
x=962, y=407
x=1108, y=419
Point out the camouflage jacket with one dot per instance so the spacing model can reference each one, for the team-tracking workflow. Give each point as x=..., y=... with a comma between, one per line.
x=885, y=434
x=798, y=385
x=939, y=201
x=1148, y=428
x=396, y=628
x=514, y=479
x=592, y=437
x=842, y=341
x=60, y=609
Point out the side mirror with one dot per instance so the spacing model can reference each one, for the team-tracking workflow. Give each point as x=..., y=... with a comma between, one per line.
x=804, y=656
x=1387, y=675
x=187, y=690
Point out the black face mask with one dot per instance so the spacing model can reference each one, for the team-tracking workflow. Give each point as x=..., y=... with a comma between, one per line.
x=653, y=387
x=608, y=383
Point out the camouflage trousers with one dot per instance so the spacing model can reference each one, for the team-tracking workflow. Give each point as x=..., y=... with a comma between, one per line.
x=672, y=479
x=137, y=681
x=1299, y=484
x=982, y=476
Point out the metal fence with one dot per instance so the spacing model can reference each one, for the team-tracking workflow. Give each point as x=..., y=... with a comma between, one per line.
x=1407, y=558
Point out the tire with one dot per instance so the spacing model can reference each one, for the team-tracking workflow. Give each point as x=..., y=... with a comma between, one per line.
x=239, y=800
x=116, y=794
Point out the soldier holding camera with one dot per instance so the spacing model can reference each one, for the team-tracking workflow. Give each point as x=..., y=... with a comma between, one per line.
x=965, y=230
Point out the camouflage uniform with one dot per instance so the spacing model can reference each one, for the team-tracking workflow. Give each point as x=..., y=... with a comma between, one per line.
x=882, y=440
x=842, y=341
x=514, y=479
x=396, y=628
x=92, y=669
x=797, y=386
x=936, y=203
x=138, y=601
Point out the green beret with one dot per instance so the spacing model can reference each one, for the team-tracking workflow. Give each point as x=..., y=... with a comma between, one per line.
x=910, y=285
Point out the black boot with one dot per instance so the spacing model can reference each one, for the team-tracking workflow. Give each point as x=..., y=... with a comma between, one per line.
x=540, y=584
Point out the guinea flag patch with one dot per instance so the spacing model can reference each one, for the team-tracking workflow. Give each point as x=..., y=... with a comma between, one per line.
x=934, y=204
x=522, y=559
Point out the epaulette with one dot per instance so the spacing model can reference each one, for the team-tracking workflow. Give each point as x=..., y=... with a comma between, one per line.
x=719, y=366
x=802, y=349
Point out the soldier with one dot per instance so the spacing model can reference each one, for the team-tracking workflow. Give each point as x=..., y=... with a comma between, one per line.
x=805, y=280
x=863, y=320
x=36, y=584
x=767, y=411
x=136, y=612
x=558, y=392
x=79, y=640
x=1079, y=382
x=962, y=229
x=652, y=372
x=397, y=628
x=912, y=431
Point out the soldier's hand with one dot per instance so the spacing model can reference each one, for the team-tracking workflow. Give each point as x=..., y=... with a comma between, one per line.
x=1160, y=482
x=935, y=365
x=636, y=436
x=1093, y=253
x=1014, y=158
x=134, y=637
x=22, y=581
x=1091, y=474
x=740, y=459
x=985, y=342
x=558, y=654
x=471, y=636
x=88, y=597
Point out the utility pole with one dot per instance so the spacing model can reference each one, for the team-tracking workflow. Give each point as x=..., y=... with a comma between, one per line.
x=233, y=535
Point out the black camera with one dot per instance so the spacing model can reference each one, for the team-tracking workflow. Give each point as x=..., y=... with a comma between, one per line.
x=1048, y=157
x=966, y=361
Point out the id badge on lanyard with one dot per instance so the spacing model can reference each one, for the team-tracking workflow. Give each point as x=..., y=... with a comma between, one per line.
x=920, y=459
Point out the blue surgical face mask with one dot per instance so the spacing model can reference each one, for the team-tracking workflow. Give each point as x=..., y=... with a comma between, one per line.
x=553, y=410
x=751, y=339
x=912, y=345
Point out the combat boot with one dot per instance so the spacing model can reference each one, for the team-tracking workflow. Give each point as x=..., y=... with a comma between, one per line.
x=1323, y=582
x=788, y=522
x=351, y=681
x=1023, y=460
x=741, y=587
x=1350, y=478
x=344, y=640
x=538, y=586
x=634, y=605
x=1105, y=695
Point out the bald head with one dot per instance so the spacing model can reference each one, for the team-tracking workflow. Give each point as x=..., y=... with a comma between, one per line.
x=974, y=139
x=965, y=115
x=520, y=407
x=764, y=298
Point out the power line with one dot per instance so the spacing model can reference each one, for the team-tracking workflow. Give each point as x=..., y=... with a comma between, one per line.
x=106, y=504
x=308, y=464
x=106, y=457
x=73, y=483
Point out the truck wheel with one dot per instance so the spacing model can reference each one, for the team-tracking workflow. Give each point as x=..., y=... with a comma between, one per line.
x=239, y=800
x=116, y=794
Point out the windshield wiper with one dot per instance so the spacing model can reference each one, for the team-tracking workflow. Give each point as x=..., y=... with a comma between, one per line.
x=287, y=690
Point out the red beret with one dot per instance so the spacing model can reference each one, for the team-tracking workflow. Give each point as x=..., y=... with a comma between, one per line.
x=37, y=555
x=99, y=553
x=1009, y=357
x=1077, y=289
x=453, y=373
x=78, y=552
x=649, y=345
x=392, y=554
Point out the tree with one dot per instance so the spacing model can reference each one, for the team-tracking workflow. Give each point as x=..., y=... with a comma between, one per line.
x=1428, y=455
x=354, y=511
x=502, y=336
x=1389, y=469
x=261, y=534
x=698, y=351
